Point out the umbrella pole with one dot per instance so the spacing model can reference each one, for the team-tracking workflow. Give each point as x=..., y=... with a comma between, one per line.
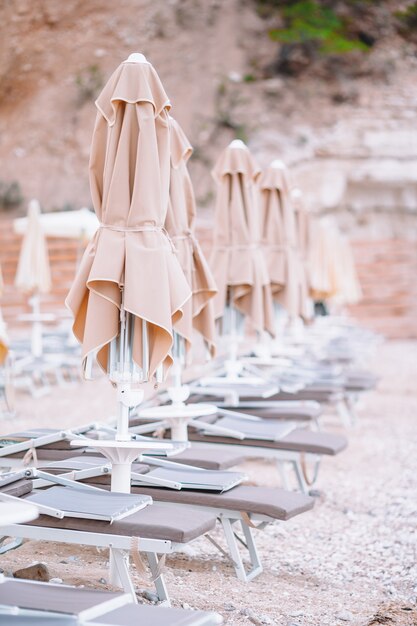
x=36, y=335
x=178, y=392
x=232, y=364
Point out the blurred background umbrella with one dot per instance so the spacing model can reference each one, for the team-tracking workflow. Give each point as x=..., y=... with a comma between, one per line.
x=281, y=240
x=332, y=268
x=80, y=224
x=237, y=260
x=33, y=275
x=4, y=343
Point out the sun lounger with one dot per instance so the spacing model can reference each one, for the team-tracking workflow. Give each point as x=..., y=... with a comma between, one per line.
x=29, y=448
x=148, y=530
x=294, y=448
x=218, y=492
x=30, y=603
x=288, y=444
x=39, y=446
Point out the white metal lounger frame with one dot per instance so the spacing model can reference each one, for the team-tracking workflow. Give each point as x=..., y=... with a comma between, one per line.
x=119, y=545
x=101, y=608
x=227, y=518
x=37, y=442
x=285, y=459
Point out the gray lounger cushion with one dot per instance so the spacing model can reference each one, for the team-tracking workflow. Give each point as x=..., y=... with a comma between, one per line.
x=299, y=440
x=276, y=503
x=143, y=615
x=18, y=488
x=209, y=458
x=323, y=395
x=45, y=597
x=77, y=502
x=293, y=413
x=150, y=523
x=85, y=462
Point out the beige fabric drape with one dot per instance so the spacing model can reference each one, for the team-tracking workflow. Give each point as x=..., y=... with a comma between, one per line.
x=33, y=270
x=332, y=267
x=198, y=312
x=4, y=349
x=280, y=238
x=237, y=260
x=130, y=258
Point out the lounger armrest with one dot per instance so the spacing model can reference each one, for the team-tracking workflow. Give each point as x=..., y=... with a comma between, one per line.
x=157, y=462
x=61, y=480
x=149, y=427
x=153, y=481
x=43, y=440
x=239, y=415
x=43, y=510
x=217, y=430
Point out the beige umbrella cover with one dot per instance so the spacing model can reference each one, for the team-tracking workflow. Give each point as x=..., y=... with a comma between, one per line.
x=326, y=280
x=33, y=271
x=4, y=349
x=350, y=291
x=130, y=260
x=198, y=312
x=237, y=260
x=281, y=240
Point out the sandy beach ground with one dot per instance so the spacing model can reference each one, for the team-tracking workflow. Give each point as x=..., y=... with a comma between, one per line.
x=352, y=560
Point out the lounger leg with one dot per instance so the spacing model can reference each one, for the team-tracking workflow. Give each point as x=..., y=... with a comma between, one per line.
x=302, y=485
x=160, y=586
x=351, y=401
x=344, y=413
x=233, y=548
x=255, y=559
x=121, y=564
x=282, y=468
x=12, y=545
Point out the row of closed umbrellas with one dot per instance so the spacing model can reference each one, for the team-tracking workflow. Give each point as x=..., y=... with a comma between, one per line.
x=144, y=258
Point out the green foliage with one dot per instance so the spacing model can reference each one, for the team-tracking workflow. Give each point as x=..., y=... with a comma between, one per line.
x=89, y=83
x=311, y=24
x=10, y=195
x=408, y=17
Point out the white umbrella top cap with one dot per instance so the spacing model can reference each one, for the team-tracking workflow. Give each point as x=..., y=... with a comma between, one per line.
x=136, y=57
x=238, y=144
x=277, y=164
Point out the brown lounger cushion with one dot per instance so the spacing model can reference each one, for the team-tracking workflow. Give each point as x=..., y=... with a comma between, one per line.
x=299, y=440
x=144, y=615
x=296, y=413
x=18, y=488
x=209, y=458
x=276, y=503
x=85, y=462
x=319, y=394
x=60, y=599
x=151, y=522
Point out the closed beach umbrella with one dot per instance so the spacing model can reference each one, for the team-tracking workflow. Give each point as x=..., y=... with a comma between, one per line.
x=350, y=291
x=198, y=312
x=281, y=241
x=80, y=224
x=3, y=335
x=324, y=266
x=33, y=271
x=237, y=260
x=130, y=263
